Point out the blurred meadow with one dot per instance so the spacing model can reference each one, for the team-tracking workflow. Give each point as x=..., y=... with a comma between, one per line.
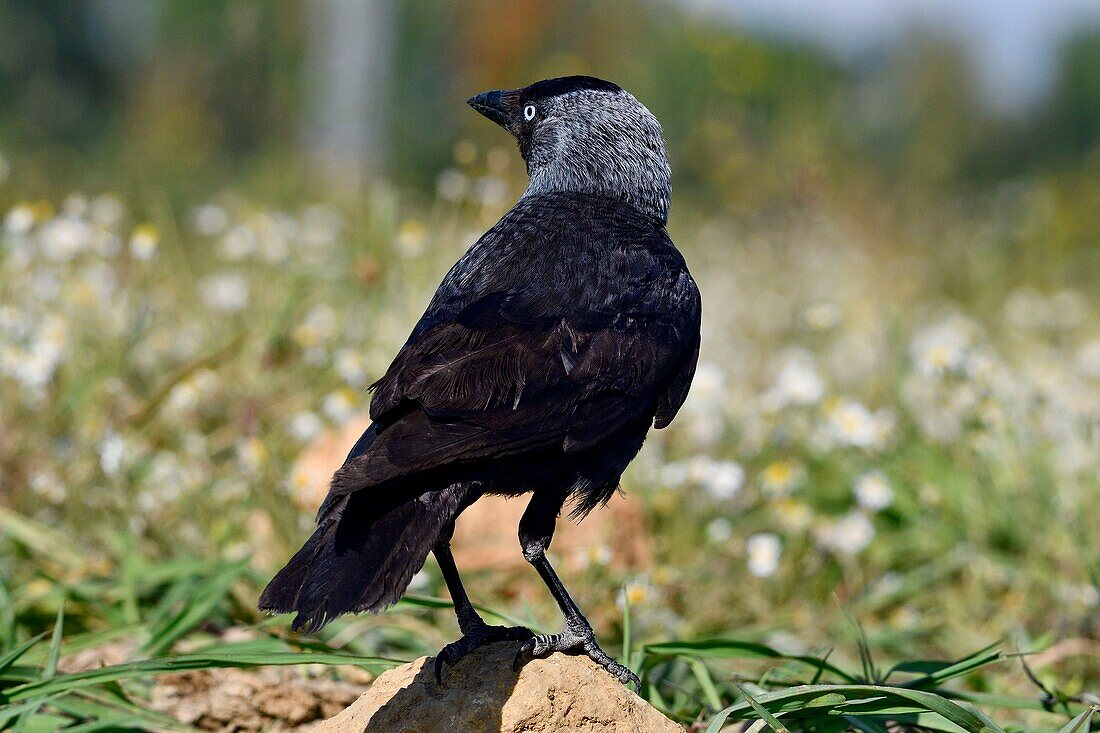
x=220, y=220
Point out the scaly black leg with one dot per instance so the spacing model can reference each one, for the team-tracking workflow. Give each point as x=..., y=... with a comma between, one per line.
x=475, y=632
x=536, y=529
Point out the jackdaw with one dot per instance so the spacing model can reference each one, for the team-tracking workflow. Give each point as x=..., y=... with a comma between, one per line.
x=546, y=354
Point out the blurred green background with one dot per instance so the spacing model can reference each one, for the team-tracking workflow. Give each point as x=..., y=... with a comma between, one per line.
x=221, y=219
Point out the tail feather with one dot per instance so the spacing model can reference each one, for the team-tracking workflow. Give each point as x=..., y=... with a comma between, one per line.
x=361, y=557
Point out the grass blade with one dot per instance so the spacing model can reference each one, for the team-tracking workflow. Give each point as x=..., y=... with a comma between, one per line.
x=14, y=655
x=432, y=602
x=706, y=682
x=224, y=657
x=55, y=643
x=936, y=672
x=864, y=699
x=1082, y=722
x=626, y=628
x=762, y=711
x=194, y=611
x=40, y=539
x=736, y=649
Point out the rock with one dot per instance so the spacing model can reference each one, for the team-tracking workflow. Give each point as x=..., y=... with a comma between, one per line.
x=271, y=699
x=481, y=694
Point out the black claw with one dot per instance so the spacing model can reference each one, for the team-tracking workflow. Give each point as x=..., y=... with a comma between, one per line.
x=522, y=654
x=439, y=669
x=624, y=675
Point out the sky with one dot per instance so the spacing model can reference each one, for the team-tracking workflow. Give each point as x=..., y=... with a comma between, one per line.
x=1013, y=43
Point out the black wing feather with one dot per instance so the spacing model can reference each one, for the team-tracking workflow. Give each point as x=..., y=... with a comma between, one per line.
x=540, y=337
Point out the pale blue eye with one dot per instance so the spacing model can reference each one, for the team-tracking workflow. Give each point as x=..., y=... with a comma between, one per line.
x=529, y=112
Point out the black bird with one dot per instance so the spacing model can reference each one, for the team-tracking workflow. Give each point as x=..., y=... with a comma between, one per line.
x=546, y=354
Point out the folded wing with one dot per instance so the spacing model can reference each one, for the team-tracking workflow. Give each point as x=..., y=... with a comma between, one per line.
x=512, y=371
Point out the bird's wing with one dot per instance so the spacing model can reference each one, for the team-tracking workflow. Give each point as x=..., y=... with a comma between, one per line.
x=529, y=367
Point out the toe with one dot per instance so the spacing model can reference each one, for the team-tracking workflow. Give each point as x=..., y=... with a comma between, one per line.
x=523, y=654
x=439, y=669
x=448, y=655
x=623, y=674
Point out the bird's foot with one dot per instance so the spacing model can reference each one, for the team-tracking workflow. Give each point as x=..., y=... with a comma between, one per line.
x=577, y=638
x=476, y=637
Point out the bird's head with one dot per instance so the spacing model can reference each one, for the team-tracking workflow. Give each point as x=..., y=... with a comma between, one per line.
x=582, y=134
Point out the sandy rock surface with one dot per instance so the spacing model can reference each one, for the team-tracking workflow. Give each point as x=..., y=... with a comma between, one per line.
x=481, y=694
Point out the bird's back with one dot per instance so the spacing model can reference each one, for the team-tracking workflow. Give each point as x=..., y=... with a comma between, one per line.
x=569, y=319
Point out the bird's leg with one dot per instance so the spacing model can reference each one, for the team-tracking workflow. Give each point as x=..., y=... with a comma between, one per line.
x=536, y=529
x=475, y=632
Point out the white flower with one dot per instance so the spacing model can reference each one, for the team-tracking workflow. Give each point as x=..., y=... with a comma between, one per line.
x=780, y=478
x=318, y=326
x=209, y=219
x=1088, y=359
x=849, y=535
x=464, y=152
x=721, y=479
x=1068, y=309
x=719, y=530
x=798, y=382
x=338, y=406
x=106, y=210
x=411, y=238
x=48, y=485
x=873, y=492
x=351, y=367
x=822, y=316
x=793, y=515
x=704, y=429
x=597, y=555
x=305, y=426
x=1026, y=309
x=706, y=386
x=637, y=593
x=849, y=422
x=64, y=238
x=19, y=220
x=674, y=475
x=144, y=241
x=75, y=205
x=942, y=348
x=274, y=245
x=490, y=190
x=930, y=496
x=763, y=550
x=320, y=225
x=451, y=185
x=226, y=291
x=33, y=364
x=251, y=455
x=113, y=453
x=14, y=323
x=187, y=395
x=1083, y=594
x=238, y=243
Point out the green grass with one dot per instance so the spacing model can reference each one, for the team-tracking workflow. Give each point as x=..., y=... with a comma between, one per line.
x=807, y=692
x=711, y=682
x=888, y=461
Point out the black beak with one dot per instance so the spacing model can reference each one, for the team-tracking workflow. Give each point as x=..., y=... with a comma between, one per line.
x=491, y=105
